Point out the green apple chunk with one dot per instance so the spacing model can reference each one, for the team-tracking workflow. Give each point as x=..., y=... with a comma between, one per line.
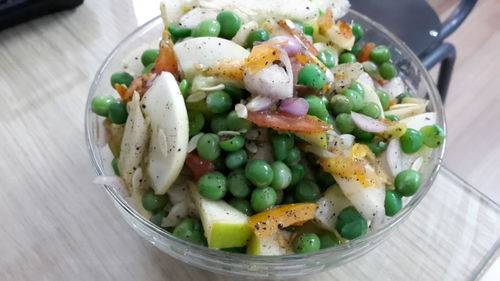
x=225, y=227
x=329, y=207
x=275, y=245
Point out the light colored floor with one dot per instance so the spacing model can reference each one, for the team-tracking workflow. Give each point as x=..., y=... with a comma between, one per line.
x=473, y=104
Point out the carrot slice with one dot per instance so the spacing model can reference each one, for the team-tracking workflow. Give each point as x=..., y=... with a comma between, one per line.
x=265, y=224
x=364, y=54
x=284, y=122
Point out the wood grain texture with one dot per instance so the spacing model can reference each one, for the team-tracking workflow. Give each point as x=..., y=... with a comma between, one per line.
x=57, y=226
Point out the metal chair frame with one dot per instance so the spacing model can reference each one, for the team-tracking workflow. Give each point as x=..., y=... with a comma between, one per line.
x=443, y=52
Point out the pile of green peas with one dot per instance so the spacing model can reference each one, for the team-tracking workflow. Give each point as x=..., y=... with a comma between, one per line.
x=380, y=55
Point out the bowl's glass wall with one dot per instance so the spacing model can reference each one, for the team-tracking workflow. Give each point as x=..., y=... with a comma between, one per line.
x=414, y=75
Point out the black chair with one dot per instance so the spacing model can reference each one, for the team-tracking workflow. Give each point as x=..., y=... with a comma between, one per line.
x=418, y=25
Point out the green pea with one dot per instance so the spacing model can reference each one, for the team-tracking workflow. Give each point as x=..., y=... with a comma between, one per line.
x=213, y=185
x=433, y=135
x=289, y=139
x=350, y=224
x=358, y=32
x=380, y=54
x=233, y=144
x=377, y=148
x=347, y=57
x=219, y=102
x=312, y=76
x=308, y=29
x=157, y=218
x=345, y=124
x=407, y=182
x=117, y=113
x=362, y=135
x=190, y=230
x=230, y=23
x=178, y=32
x=402, y=96
x=392, y=118
x=298, y=173
x=263, y=198
x=324, y=179
x=340, y=104
x=208, y=147
x=356, y=99
x=240, y=250
x=306, y=243
x=121, y=78
x=149, y=56
x=208, y=27
x=237, y=184
x=316, y=106
x=293, y=156
x=356, y=49
x=356, y=86
x=236, y=159
x=100, y=105
x=259, y=173
x=234, y=91
x=371, y=109
x=241, y=205
x=218, y=123
x=196, y=122
x=153, y=202
x=328, y=240
x=184, y=87
x=392, y=203
x=235, y=123
x=327, y=58
x=259, y=35
x=114, y=165
x=306, y=191
x=384, y=99
x=279, y=145
x=411, y=141
x=148, y=68
x=282, y=176
x=387, y=71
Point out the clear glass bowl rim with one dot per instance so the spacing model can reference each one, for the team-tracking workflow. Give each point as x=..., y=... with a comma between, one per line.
x=396, y=220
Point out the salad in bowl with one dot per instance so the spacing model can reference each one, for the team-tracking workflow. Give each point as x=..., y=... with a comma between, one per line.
x=265, y=129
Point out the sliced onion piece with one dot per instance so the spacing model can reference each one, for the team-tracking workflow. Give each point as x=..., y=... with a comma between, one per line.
x=290, y=44
x=260, y=103
x=193, y=142
x=294, y=106
x=368, y=124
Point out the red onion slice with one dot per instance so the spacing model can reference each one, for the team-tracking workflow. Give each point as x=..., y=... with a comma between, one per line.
x=294, y=106
x=368, y=124
x=290, y=44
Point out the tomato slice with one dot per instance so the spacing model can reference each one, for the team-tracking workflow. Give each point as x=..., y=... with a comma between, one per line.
x=198, y=166
x=265, y=224
x=284, y=122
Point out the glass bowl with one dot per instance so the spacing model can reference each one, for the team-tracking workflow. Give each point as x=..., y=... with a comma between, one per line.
x=415, y=77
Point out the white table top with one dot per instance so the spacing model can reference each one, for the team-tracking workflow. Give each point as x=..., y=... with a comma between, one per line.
x=56, y=225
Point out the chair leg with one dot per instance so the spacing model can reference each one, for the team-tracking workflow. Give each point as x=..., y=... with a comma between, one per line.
x=446, y=54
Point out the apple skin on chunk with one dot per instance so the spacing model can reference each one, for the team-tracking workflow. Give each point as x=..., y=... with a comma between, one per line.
x=224, y=226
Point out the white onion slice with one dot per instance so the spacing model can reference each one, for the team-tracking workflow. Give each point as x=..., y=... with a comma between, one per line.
x=260, y=103
x=393, y=157
x=368, y=124
x=193, y=142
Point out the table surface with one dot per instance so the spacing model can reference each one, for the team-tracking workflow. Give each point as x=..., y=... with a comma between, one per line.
x=58, y=226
